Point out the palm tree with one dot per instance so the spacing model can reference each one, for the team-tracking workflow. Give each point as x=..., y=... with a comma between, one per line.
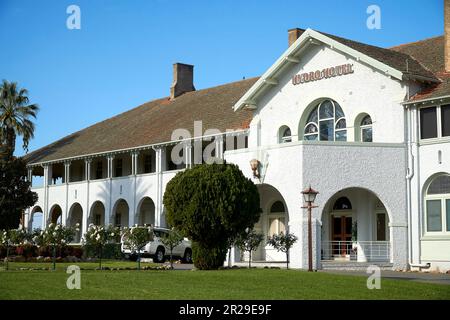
x=15, y=115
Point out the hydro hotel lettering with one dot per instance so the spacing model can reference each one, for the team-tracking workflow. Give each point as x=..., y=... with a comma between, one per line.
x=322, y=74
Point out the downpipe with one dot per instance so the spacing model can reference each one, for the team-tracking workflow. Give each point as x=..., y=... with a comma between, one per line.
x=409, y=176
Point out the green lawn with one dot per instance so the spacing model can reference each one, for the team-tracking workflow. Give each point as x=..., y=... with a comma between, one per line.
x=223, y=284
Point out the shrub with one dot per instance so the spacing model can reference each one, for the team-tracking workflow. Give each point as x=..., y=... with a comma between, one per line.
x=211, y=204
x=249, y=241
x=283, y=242
x=97, y=237
x=136, y=238
x=206, y=258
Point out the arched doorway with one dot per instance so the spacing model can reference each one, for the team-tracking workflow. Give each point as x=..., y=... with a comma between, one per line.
x=36, y=219
x=76, y=217
x=274, y=220
x=97, y=214
x=55, y=214
x=146, y=212
x=120, y=213
x=355, y=227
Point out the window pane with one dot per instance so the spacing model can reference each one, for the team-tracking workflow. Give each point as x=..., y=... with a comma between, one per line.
x=366, y=134
x=312, y=116
x=310, y=128
x=366, y=121
x=281, y=226
x=434, y=221
x=341, y=135
x=440, y=185
x=272, y=227
x=341, y=124
x=339, y=112
x=428, y=123
x=278, y=206
x=311, y=137
x=326, y=110
x=327, y=130
x=445, y=120
x=447, y=209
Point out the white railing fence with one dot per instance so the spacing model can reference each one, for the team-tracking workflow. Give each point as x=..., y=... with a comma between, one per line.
x=356, y=250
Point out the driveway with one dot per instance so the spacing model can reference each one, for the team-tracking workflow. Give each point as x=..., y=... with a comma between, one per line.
x=438, y=278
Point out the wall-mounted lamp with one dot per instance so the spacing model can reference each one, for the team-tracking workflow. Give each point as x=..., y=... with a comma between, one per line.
x=254, y=164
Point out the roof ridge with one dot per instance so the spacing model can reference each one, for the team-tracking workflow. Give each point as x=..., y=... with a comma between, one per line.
x=413, y=42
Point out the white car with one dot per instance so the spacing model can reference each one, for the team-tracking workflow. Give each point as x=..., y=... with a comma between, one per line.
x=156, y=250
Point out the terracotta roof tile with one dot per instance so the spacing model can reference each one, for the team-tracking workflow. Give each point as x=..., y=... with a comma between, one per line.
x=153, y=122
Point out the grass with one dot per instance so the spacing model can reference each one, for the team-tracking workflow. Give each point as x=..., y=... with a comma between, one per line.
x=222, y=284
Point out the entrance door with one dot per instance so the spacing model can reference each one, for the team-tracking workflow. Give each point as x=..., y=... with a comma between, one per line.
x=381, y=226
x=342, y=235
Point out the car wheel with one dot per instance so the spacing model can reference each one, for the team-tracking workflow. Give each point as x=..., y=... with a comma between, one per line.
x=159, y=255
x=188, y=256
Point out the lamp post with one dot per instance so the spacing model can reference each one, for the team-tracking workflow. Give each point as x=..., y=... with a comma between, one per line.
x=309, y=195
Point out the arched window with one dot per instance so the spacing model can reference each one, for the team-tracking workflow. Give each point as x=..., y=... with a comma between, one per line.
x=284, y=134
x=326, y=122
x=342, y=204
x=366, y=129
x=277, y=219
x=437, y=205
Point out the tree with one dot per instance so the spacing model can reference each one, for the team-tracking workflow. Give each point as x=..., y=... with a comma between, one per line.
x=249, y=241
x=15, y=118
x=98, y=237
x=283, y=242
x=13, y=237
x=210, y=204
x=15, y=193
x=56, y=236
x=136, y=238
x=170, y=240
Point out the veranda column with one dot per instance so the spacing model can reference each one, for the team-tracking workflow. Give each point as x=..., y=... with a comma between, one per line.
x=108, y=210
x=65, y=214
x=133, y=216
x=46, y=212
x=159, y=168
x=86, y=212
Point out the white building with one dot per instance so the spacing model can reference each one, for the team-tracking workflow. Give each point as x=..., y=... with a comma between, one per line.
x=367, y=127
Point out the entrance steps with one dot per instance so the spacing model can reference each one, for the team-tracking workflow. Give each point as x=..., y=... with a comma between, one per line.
x=353, y=265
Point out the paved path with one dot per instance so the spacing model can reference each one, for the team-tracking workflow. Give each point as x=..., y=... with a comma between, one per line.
x=439, y=278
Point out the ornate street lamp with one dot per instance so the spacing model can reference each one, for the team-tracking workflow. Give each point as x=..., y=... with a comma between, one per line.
x=309, y=195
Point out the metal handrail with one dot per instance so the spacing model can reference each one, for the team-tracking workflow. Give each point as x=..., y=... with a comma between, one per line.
x=351, y=250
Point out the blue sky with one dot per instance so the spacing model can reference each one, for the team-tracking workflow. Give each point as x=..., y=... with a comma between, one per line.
x=123, y=54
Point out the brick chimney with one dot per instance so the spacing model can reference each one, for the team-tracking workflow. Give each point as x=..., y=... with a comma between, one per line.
x=447, y=35
x=294, y=34
x=183, y=79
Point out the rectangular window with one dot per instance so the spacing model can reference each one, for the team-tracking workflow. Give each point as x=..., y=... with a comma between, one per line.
x=434, y=215
x=99, y=170
x=447, y=209
x=98, y=218
x=445, y=120
x=118, y=219
x=147, y=163
x=327, y=130
x=428, y=123
x=366, y=134
x=119, y=168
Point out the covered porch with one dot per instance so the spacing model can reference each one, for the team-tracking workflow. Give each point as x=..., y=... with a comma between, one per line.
x=355, y=228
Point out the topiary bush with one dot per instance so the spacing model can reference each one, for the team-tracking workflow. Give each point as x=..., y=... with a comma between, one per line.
x=210, y=204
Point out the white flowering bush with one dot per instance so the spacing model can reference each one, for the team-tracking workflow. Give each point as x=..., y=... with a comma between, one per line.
x=55, y=236
x=136, y=238
x=13, y=237
x=99, y=236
